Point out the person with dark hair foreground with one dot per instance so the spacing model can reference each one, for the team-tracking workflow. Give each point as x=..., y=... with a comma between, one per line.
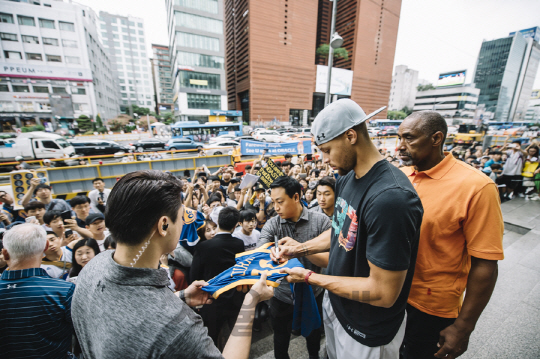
x=326, y=196
x=83, y=251
x=462, y=228
x=123, y=308
x=212, y=257
x=297, y=222
x=372, y=254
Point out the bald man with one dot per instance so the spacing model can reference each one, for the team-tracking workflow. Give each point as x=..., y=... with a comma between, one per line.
x=460, y=242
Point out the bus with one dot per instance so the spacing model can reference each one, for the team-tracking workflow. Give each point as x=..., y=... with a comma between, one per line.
x=496, y=125
x=384, y=124
x=203, y=132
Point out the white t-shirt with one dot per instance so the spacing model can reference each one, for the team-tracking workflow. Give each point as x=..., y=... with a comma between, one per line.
x=250, y=242
x=106, y=233
x=57, y=272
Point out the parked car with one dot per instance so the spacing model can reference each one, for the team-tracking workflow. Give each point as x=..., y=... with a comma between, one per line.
x=220, y=148
x=287, y=136
x=267, y=136
x=222, y=138
x=98, y=147
x=374, y=131
x=389, y=131
x=182, y=144
x=150, y=144
x=302, y=137
x=248, y=138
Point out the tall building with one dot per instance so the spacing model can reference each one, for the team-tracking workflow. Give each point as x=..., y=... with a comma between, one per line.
x=403, y=90
x=533, y=109
x=162, y=79
x=124, y=39
x=273, y=72
x=505, y=73
x=53, y=67
x=452, y=98
x=197, y=46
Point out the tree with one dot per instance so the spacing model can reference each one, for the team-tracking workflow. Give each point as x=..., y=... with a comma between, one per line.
x=425, y=87
x=141, y=111
x=342, y=53
x=85, y=124
x=143, y=123
x=396, y=115
x=407, y=110
x=168, y=118
x=120, y=122
x=99, y=121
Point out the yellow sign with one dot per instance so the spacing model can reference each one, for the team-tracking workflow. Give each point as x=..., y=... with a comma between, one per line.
x=217, y=118
x=20, y=184
x=198, y=82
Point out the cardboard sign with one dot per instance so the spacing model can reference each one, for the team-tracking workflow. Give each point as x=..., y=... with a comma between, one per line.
x=269, y=174
x=20, y=183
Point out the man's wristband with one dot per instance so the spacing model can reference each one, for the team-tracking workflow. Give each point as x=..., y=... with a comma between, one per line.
x=306, y=278
x=182, y=295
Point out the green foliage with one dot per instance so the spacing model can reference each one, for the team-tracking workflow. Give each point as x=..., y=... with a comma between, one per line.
x=129, y=128
x=246, y=124
x=396, y=115
x=407, y=110
x=85, y=124
x=141, y=111
x=425, y=87
x=341, y=52
x=102, y=129
x=33, y=128
x=99, y=121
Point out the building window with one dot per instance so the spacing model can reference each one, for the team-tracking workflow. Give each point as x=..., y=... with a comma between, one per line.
x=26, y=106
x=78, y=91
x=201, y=101
x=200, y=80
x=73, y=60
x=36, y=57
x=115, y=36
x=59, y=90
x=192, y=59
x=6, y=106
x=25, y=20
x=4, y=88
x=30, y=39
x=41, y=89
x=47, y=24
x=54, y=58
x=12, y=55
x=9, y=37
x=198, y=22
x=141, y=33
x=125, y=29
x=210, y=6
x=197, y=41
x=66, y=26
x=50, y=41
x=69, y=43
x=44, y=106
x=20, y=88
x=7, y=18
x=139, y=24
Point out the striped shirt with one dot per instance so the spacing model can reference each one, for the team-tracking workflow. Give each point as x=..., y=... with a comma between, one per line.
x=36, y=315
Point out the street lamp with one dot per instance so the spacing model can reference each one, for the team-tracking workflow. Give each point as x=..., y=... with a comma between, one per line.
x=335, y=43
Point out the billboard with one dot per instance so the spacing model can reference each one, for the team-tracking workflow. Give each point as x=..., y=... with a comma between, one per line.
x=47, y=72
x=341, y=80
x=451, y=78
x=533, y=32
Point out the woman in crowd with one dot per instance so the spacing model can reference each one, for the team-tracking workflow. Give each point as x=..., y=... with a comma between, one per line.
x=83, y=251
x=208, y=231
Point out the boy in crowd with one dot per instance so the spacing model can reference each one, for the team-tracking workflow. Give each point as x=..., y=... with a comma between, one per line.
x=246, y=230
x=43, y=194
x=53, y=221
x=36, y=209
x=98, y=196
x=58, y=257
x=8, y=201
x=95, y=223
x=325, y=192
x=81, y=206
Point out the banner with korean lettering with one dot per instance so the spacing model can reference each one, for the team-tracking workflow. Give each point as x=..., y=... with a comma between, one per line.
x=254, y=148
x=269, y=173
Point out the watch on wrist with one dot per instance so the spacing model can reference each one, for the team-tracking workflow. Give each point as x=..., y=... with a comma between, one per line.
x=182, y=295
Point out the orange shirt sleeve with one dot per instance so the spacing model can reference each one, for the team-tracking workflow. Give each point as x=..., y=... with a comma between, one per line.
x=483, y=228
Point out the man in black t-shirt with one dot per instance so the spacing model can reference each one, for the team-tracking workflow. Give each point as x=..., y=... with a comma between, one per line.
x=372, y=243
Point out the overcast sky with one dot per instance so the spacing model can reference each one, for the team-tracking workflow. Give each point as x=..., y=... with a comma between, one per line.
x=434, y=35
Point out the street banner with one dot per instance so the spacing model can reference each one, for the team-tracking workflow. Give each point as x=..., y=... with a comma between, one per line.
x=269, y=174
x=254, y=148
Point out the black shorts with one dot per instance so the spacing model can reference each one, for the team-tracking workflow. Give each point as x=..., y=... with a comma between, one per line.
x=511, y=182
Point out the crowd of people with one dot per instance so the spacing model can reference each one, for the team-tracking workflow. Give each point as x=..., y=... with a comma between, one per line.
x=122, y=270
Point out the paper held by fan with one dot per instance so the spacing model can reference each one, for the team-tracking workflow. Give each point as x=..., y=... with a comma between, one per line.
x=249, y=181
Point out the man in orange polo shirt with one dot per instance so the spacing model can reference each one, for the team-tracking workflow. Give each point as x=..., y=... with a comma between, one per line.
x=460, y=242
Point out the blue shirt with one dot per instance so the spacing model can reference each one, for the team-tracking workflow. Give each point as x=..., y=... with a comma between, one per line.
x=490, y=162
x=36, y=315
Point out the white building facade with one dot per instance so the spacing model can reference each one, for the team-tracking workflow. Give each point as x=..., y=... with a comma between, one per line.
x=197, y=47
x=124, y=37
x=52, y=66
x=403, y=91
x=457, y=104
